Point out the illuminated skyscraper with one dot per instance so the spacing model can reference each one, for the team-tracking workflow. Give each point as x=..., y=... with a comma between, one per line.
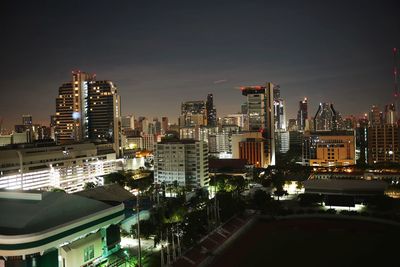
x=211, y=111
x=164, y=125
x=375, y=117
x=26, y=119
x=260, y=112
x=128, y=122
x=390, y=114
x=193, y=113
x=279, y=110
x=87, y=109
x=103, y=116
x=71, y=109
x=327, y=118
x=302, y=114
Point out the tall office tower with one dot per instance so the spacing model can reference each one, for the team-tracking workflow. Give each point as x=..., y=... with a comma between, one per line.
x=362, y=140
x=145, y=125
x=72, y=108
x=302, y=114
x=282, y=141
x=184, y=161
x=292, y=125
x=157, y=126
x=277, y=92
x=211, y=111
x=152, y=129
x=128, y=122
x=26, y=119
x=235, y=119
x=375, y=117
x=164, y=125
x=31, y=130
x=279, y=110
x=104, y=114
x=243, y=108
x=350, y=123
x=193, y=113
x=87, y=109
x=327, y=118
x=390, y=114
x=260, y=112
x=53, y=125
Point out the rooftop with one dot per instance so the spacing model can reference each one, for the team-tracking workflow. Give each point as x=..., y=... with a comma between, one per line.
x=39, y=211
x=112, y=193
x=343, y=186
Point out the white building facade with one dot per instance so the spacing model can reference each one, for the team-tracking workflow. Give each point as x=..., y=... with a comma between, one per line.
x=67, y=167
x=184, y=161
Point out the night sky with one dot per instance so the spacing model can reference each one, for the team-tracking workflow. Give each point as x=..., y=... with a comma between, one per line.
x=160, y=53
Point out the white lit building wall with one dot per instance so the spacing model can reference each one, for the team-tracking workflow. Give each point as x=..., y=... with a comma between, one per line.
x=148, y=141
x=186, y=163
x=54, y=168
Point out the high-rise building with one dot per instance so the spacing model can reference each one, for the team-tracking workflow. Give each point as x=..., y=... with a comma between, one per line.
x=375, y=117
x=211, y=111
x=328, y=119
x=383, y=143
x=71, y=116
x=292, y=125
x=390, y=114
x=235, y=119
x=282, y=141
x=193, y=113
x=32, y=131
x=243, y=108
x=183, y=161
x=87, y=109
x=26, y=119
x=362, y=140
x=279, y=110
x=53, y=124
x=302, y=114
x=350, y=123
x=128, y=122
x=103, y=115
x=260, y=112
x=164, y=125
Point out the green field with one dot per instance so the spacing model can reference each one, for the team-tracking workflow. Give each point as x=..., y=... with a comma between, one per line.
x=314, y=242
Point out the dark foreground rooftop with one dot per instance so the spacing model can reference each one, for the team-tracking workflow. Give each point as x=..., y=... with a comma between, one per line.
x=36, y=211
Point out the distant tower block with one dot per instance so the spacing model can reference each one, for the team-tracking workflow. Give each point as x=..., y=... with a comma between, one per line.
x=396, y=79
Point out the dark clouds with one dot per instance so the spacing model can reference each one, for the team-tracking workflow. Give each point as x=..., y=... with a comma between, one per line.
x=160, y=53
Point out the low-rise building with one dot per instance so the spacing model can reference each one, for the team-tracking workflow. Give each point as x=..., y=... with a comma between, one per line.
x=56, y=229
x=325, y=149
x=68, y=167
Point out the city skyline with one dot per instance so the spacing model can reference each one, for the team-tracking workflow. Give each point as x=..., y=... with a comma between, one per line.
x=183, y=51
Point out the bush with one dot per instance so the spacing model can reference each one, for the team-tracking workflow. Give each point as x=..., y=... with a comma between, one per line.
x=331, y=211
